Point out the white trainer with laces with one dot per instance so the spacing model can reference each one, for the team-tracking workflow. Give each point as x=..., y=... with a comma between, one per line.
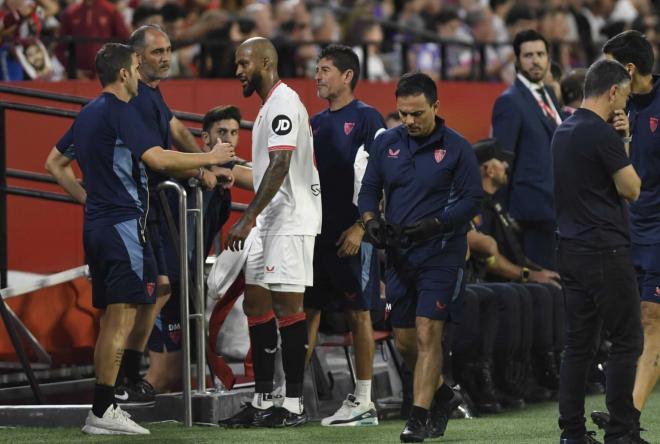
x=115, y=421
x=352, y=414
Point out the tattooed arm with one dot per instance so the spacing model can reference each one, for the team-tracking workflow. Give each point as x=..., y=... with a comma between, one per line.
x=273, y=178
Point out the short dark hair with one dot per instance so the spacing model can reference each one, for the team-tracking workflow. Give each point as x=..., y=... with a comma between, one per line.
x=495, y=3
x=137, y=40
x=528, y=35
x=415, y=83
x=631, y=47
x=172, y=12
x=446, y=15
x=344, y=58
x=110, y=59
x=142, y=12
x=572, y=86
x=602, y=75
x=517, y=13
x=219, y=113
x=555, y=71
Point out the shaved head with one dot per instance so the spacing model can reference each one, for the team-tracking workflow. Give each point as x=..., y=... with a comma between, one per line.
x=256, y=66
x=260, y=49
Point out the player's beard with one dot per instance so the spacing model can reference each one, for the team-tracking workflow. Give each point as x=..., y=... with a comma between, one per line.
x=253, y=84
x=534, y=78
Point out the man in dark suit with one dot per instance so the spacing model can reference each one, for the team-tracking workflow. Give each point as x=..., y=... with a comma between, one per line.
x=524, y=119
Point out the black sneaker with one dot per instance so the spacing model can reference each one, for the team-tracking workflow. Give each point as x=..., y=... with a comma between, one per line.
x=601, y=419
x=588, y=438
x=139, y=393
x=279, y=417
x=439, y=415
x=636, y=438
x=414, y=431
x=243, y=419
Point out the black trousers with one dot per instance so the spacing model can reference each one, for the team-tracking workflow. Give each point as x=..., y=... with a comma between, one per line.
x=543, y=311
x=474, y=337
x=539, y=244
x=514, y=337
x=599, y=287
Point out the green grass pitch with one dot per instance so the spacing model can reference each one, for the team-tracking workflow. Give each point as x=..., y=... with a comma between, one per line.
x=535, y=424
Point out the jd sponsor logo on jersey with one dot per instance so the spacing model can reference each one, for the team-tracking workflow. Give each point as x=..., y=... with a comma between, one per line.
x=393, y=153
x=281, y=125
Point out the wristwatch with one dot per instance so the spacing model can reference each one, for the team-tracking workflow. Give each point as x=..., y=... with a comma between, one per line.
x=524, y=275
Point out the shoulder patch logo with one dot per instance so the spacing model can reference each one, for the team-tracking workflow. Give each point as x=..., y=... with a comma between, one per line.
x=653, y=123
x=348, y=127
x=281, y=125
x=439, y=154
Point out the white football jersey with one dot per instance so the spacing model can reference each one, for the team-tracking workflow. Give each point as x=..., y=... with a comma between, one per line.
x=283, y=124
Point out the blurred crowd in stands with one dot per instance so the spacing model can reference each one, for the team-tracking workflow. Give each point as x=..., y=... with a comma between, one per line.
x=448, y=39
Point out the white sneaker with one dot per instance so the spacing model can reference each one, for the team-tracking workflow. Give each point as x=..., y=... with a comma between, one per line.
x=115, y=421
x=352, y=413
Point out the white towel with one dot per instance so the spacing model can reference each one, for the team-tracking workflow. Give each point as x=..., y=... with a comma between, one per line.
x=359, y=168
x=227, y=266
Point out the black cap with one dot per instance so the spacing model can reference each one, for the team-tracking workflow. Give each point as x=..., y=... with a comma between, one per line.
x=487, y=149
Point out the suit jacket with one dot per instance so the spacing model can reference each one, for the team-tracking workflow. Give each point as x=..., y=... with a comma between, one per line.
x=522, y=128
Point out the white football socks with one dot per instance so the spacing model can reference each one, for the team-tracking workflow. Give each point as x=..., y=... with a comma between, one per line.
x=363, y=391
x=294, y=405
x=262, y=401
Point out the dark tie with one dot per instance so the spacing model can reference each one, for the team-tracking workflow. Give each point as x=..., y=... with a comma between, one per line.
x=548, y=111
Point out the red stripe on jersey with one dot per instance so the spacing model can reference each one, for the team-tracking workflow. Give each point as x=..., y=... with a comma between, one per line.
x=281, y=148
x=270, y=93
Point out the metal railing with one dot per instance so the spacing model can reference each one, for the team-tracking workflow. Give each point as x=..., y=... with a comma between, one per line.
x=12, y=323
x=402, y=40
x=82, y=101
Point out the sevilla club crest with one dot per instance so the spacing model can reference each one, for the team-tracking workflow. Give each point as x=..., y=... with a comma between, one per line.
x=151, y=286
x=653, y=123
x=439, y=154
x=348, y=127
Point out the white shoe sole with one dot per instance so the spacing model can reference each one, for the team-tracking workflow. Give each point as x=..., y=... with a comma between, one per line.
x=91, y=430
x=359, y=423
x=134, y=403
